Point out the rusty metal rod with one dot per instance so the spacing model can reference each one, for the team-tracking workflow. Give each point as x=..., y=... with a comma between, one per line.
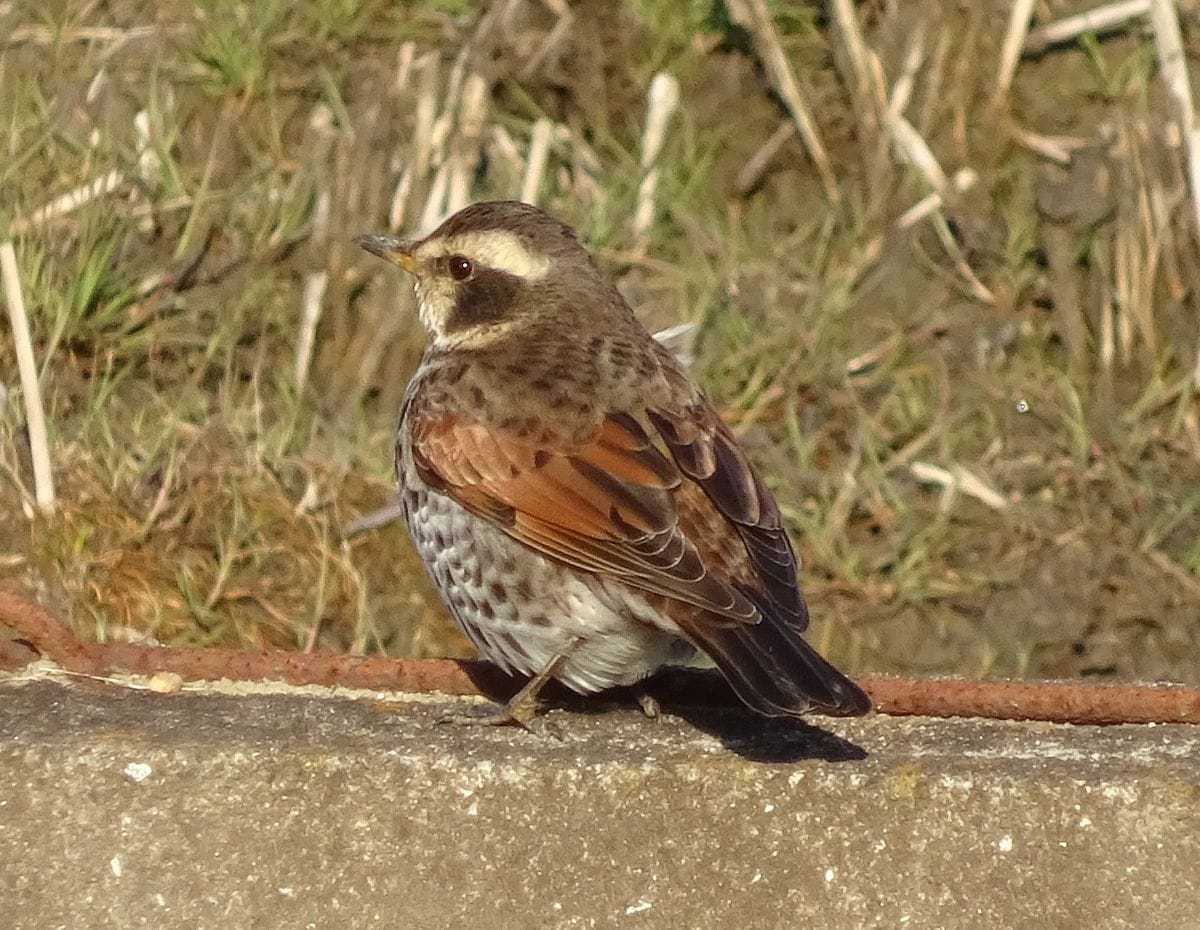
x=1054, y=701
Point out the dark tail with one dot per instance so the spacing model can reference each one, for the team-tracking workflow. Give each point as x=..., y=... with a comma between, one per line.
x=774, y=670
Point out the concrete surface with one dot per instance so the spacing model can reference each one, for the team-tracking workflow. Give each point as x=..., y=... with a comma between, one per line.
x=126, y=808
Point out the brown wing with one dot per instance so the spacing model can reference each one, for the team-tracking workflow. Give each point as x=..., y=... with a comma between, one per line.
x=769, y=664
x=707, y=453
x=606, y=505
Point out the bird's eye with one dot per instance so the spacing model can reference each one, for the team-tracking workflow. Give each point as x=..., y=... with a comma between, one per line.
x=460, y=268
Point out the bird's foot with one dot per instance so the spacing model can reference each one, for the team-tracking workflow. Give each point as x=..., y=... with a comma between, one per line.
x=522, y=710
x=516, y=713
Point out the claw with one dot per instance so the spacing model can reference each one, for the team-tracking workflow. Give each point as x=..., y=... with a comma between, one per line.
x=512, y=714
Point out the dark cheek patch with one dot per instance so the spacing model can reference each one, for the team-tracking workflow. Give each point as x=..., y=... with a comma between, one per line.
x=486, y=298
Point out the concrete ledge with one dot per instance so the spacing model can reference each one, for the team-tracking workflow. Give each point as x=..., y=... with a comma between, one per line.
x=124, y=808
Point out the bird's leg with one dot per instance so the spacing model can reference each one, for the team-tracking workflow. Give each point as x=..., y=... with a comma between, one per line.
x=522, y=708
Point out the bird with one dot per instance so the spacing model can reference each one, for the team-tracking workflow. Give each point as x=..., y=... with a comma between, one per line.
x=582, y=509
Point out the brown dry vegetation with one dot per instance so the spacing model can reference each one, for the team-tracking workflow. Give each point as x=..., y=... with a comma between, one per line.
x=981, y=424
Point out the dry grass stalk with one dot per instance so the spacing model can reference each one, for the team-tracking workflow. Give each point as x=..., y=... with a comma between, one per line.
x=373, y=520
x=877, y=108
x=1172, y=65
x=865, y=86
x=902, y=90
x=753, y=16
x=910, y=144
x=400, y=200
x=72, y=201
x=1180, y=574
x=506, y=149
x=422, y=145
x=535, y=164
x=1099, y=20
x=404, y=65
x=1154, y=231
x=1014, y=42
x=148, y=161
x=956, y=479
x=426, y=113
x=1141, y=234
x=43, y=476
x=918, y=153
x=1070, y=302
x=435, y=201
x=926, y=206
x=1126, y=259
x=974, y=486
x=934, y=77
x=310, y=316
x=980, y=290
x=661, y=101
x=465, y=154
x=41, y=35
x=465, y=110
x=756, y=166
x=1105, y=342
x=1057, y=149
x=322, y=211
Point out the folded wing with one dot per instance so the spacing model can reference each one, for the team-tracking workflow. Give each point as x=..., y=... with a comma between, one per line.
x=691, y=522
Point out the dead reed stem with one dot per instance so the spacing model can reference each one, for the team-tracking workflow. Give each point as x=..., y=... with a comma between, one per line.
x=43, y=476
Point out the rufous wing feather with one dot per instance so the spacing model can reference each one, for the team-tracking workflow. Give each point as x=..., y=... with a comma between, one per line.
x=604, y=506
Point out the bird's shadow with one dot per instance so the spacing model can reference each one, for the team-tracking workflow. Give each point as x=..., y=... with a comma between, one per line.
x=701, y=698
x=769, y=739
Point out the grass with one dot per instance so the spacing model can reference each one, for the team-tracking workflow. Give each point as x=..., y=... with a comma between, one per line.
x=203, y=497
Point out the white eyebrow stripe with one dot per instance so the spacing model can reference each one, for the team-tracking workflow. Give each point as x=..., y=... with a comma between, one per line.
x=492, y=248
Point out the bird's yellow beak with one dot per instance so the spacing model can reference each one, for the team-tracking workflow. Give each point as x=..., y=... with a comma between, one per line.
x=397, y=251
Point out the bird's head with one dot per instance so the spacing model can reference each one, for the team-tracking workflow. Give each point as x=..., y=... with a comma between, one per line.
x=494, y=269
